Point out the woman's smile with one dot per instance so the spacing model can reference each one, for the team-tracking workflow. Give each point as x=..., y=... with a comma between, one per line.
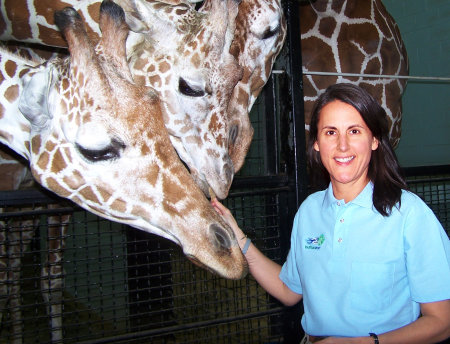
x=345, y=160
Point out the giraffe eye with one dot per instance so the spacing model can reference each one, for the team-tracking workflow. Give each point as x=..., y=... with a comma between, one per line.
x=189, y=90
x=270, y=32
x=110, y=152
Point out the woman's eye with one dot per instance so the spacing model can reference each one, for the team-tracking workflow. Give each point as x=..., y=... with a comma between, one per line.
x=110, y=152
x=188, y=90
x=354, y=131
x=330, y=132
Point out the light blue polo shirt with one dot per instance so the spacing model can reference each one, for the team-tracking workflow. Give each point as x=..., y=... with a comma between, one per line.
x=360, y=272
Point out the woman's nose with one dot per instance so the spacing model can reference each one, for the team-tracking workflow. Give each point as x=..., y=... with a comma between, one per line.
x=343, y=142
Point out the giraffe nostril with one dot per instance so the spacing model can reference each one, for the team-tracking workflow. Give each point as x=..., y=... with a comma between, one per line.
x=234, y=131
x=221, y=237
x=229, y=172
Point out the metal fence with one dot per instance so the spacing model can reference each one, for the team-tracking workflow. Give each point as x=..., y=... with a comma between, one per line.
x=123, y=285
x=432, y=184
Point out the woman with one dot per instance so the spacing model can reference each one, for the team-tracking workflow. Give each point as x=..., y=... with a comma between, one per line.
x=367, y=257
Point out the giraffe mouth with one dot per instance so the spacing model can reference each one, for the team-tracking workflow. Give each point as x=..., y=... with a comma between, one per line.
x=200, y=264
x=201, y=182
x=218, y=181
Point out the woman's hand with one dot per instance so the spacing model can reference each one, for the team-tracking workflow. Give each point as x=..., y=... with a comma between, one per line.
x=229, y=219
x=264, y=270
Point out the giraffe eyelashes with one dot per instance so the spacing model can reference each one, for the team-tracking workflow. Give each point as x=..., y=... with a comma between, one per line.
x=270, y=32
x=110, y=152
x=188, y=90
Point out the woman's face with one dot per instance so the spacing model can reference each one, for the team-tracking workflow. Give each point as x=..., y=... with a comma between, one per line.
x=345, y=144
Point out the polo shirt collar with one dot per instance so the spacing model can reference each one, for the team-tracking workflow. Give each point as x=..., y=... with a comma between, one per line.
x=364, y=199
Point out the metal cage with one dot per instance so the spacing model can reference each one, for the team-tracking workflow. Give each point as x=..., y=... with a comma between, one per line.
x=123, y=285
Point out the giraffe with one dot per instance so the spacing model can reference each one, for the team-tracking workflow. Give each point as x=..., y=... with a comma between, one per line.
x=349, y=36
x=83, y=136
x=183, y=53
x=195, y=75
x=259, y=37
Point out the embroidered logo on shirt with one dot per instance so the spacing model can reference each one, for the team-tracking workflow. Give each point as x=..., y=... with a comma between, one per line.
x=314, y=243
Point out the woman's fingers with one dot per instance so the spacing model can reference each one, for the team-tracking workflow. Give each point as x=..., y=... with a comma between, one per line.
x=227, y=216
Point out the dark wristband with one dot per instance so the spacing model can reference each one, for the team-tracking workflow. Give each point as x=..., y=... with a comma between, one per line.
x=375, y=338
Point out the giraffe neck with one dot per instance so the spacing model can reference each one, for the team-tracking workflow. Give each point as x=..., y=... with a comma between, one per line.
x=15, y=128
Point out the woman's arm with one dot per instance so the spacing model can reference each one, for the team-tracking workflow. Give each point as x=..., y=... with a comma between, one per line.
x=265, y=271
x=432, y=327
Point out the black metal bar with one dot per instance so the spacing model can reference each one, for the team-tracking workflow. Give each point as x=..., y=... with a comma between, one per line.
x=261, y=191
x=291, y=316
x=426, y=170
x=296, y=87
x=22, y=213
x=182, y=327
x=270, y=132
x=261, y=181
x=428, y=180
x=28, y=196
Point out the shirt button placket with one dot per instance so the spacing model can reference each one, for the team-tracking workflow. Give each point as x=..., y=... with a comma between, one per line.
x=339, y=230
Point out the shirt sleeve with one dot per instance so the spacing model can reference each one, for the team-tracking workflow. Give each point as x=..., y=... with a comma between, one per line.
x=290, y=274
x=427, y=250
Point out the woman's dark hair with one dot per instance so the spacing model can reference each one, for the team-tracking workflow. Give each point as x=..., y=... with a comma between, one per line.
x=384, y=170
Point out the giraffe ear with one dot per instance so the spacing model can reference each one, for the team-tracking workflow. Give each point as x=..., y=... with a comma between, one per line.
x=35, y=99
x=144, y=16
x=135, y=13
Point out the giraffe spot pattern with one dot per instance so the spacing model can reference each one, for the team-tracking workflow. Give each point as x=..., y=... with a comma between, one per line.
x=12, y=93
x=56, y=187
x=58, y=163
x=20, y=26
x=10, y=68
x=74, y=181
x=119, y=205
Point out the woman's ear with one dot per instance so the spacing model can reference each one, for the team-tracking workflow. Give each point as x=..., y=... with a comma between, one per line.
x=375, y=143
x=316, y=146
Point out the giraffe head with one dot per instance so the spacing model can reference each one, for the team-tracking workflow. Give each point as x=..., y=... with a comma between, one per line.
x=260, y=34
x=184, y=54
x=99, y=139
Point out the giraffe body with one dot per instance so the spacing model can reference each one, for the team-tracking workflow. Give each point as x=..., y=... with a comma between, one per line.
x=15, y=238
x=359, y=37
